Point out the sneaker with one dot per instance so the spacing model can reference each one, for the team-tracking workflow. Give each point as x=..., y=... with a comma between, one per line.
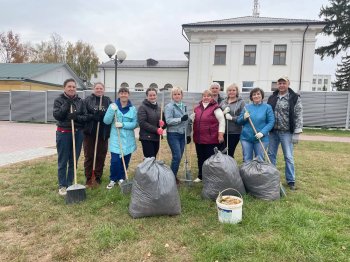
x=120, y=181
x=291, y=186
x=111, y=184
x=177, y=181
x=62, y=191
x=197, y=180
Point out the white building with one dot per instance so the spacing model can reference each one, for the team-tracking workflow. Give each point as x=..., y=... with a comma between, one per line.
x=138, y=75
x=252, y=52
x=321, y=83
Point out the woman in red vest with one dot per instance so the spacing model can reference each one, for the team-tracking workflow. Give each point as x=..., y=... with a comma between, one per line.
x=208, y=129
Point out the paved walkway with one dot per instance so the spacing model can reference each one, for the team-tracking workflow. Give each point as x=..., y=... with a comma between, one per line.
x=26, y=141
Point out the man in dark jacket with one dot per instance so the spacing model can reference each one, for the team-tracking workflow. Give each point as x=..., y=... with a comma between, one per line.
x=68, y=106
x=95, y=115
x=288, y=111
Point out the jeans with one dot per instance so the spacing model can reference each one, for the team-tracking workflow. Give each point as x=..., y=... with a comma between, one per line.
x=176, y=143
x=64, y=144
x=117, y=168
x=285, y=138
x=248, y=148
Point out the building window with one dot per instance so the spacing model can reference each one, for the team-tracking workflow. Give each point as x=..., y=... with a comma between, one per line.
x=314, y=81
x=247, y=86
x=221, y=83
x=314, y=88
x=319, y=89
x=168, y=86
x=274, y=86
x=325, y=81
x=220, y=55
x=139, y=87
x=124, y=85
x=279, y=55
x=320, y=81
x=154, y=85
x=249, y=54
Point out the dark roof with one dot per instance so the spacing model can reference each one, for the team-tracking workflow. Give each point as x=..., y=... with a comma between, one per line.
x=13, y=71
x=255, y=21
x=151, y=64
x=28, y=71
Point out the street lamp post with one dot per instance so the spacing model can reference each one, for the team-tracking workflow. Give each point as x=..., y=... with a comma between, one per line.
x=119, y=58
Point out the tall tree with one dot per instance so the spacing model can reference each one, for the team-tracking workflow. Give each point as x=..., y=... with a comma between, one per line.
x=82, y=58
x=52, y=51
x=337, y=17
x=12, y=50
x=343, y=74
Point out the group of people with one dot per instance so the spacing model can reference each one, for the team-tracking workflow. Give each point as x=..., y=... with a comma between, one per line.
x=213, y=122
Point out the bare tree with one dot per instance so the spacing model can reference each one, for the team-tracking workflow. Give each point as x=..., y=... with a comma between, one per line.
x=12, y=50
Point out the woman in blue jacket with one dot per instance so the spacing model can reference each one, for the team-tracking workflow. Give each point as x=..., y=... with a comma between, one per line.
x=176, y=117
x=263, y=119
x=126, y=122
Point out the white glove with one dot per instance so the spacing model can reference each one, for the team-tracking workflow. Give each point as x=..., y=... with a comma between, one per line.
x=192, y=116
x=228, y=116
x=246, y=115
x=114, y=106
x=118, y=124
x=295, y=138
x=259, y=135
x=227, y=110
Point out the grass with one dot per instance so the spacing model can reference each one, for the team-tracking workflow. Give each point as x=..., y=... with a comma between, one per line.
x=326, y=132
x=311, y=224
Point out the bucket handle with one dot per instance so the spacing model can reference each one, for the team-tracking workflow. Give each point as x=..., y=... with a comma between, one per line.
x=220, y=193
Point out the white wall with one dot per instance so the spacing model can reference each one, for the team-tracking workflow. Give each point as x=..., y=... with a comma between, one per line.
x=263, y=73
x=57, y=76
x=319, y=82
x=146, y=76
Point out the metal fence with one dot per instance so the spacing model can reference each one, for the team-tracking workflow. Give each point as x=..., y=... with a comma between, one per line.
x=321, y=109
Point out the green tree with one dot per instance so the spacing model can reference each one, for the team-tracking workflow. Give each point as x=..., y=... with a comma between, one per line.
x=82, y=58
x=343, y=74
x=12, y=50
x=337, y=18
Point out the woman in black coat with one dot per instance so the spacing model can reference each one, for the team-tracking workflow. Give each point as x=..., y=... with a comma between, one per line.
x=151, y=127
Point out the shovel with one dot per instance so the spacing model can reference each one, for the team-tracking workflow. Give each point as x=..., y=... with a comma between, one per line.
x=282, y=189
x=188, y=174
x=93, y=177
x=75, y=193
x=126, y=185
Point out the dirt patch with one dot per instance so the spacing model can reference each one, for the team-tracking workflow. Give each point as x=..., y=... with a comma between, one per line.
x=7, y=208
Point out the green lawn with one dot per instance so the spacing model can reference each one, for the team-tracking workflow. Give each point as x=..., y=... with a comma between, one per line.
x=326, y=132
x=310, y=224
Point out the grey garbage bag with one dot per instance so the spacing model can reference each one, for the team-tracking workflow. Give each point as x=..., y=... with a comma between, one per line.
x=154, y=191
x=261, y=179
x=220, y=172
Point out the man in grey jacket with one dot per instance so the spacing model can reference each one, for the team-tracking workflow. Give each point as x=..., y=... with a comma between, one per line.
x=288, y=111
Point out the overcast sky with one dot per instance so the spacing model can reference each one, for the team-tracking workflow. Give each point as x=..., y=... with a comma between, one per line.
x=143, y=29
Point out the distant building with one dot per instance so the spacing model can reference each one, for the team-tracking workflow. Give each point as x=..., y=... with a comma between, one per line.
x=35, y=76
x=252, y=51
x=321, y=83
x=138, y=75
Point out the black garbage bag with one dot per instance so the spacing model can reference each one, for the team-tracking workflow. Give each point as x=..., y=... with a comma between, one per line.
x=261, y=179
x=220, y=172
x=154, y=191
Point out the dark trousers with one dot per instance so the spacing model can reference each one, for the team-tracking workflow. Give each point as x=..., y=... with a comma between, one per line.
x=64, y=144
x=101, y=152
x=117, y=168
x=150, y=148
x=233, y=140
x=204, y=151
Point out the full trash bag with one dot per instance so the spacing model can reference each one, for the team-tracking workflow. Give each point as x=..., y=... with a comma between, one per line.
x=154, y=191
x=220, y=172
x=261, y=179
